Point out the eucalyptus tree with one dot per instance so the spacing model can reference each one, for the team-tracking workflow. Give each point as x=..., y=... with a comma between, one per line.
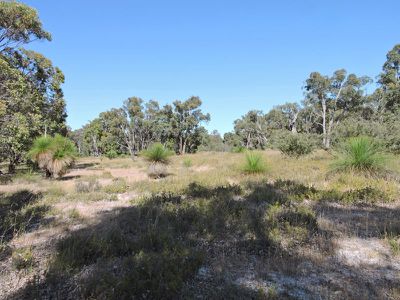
x=253, y=129
x=389, y=81
x=31, y=98
x=186, y=120
x=19, y=24
x=291, y=112
x=331, y=98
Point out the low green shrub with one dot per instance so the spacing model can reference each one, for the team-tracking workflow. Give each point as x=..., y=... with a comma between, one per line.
x=365, y=195
x=111, y=154
x=295, y=145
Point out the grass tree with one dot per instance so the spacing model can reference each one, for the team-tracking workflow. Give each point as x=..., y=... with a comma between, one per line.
x=158, y=156
x=254, y=163
x=53, y=154
x=361, y=154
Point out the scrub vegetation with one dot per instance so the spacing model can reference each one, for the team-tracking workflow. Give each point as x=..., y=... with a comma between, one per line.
x=300, y=202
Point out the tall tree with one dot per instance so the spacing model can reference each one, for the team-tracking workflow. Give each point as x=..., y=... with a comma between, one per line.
x=19, y=24
x=31, y=99
x=389, y=80
x=291, y=112
x=252, y=128
x=331, y=98
x=187, y=117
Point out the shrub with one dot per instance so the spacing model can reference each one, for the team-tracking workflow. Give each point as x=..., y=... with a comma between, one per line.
x=365, y=195
x=295, y=145
x=362, y=154
x=118, y=186
x=53, y=154
x=91, y=185
x=111, y=154
x=157, y=153
x=254, y=163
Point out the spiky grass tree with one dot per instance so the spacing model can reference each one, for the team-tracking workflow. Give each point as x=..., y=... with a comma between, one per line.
x=361, y=154
x=254, y=163
x=53, y=154
x=159, y=157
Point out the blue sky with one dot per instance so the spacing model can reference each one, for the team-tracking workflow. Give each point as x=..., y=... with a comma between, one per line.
x=234, y=55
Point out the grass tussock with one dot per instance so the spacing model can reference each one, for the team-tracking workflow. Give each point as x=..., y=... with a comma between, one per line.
x=254, y=163
x=361, y=154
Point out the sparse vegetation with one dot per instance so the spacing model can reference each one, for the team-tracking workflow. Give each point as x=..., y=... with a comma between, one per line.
x=22, y=258
x=88, y=186
x=212, y=224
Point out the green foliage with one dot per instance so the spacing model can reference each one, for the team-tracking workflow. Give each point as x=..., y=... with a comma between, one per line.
x=53, y=154
x=157, y=153
x=20, y=24
x=295, y=145
x=361, y=154
x=111, y=154
x=31, y=96
x=254, y=163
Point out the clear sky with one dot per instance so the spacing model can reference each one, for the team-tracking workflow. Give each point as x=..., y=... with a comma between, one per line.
x=234, y=55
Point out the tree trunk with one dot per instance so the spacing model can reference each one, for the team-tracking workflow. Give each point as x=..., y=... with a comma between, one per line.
x=324, y=133
x=181, y=150
x=294, y=121
x=11, y=167
x=328, y=134
x=184, y=147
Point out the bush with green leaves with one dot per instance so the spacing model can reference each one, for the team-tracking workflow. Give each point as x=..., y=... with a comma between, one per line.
x=157, y=153
x=295, y=145
x=254, y=163
x=53, y=154
x=111, y=154
x=361, y=154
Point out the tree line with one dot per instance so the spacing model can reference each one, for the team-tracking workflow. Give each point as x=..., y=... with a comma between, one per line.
x=32, y=104
x=334, y=107
x=138, y=124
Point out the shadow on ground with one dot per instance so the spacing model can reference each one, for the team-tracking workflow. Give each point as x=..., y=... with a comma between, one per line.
x=229, y=242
